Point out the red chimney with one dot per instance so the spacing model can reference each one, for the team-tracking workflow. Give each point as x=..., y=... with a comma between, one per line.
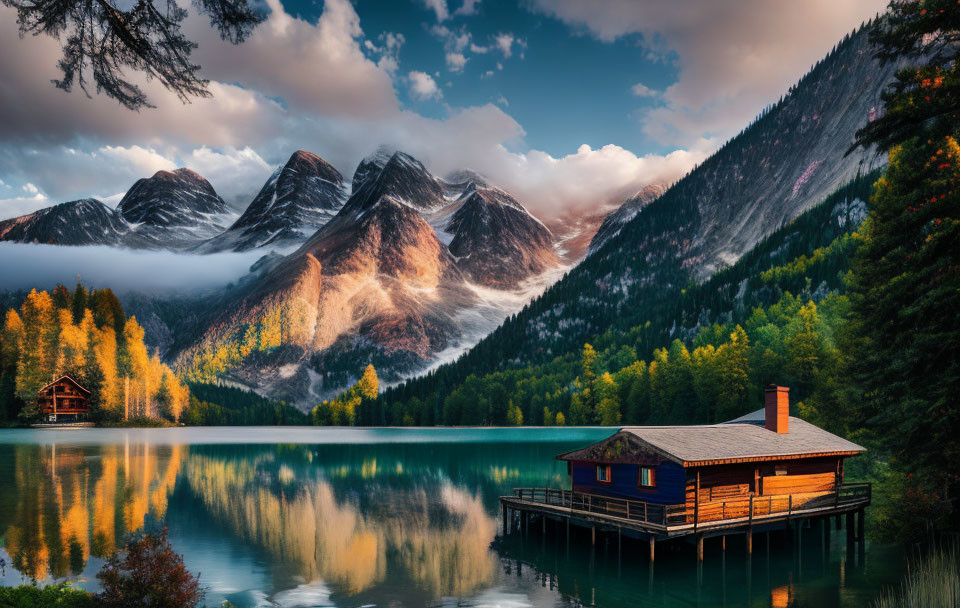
x=777, y=415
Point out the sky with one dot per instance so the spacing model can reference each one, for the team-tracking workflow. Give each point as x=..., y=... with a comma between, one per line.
x=567, y=104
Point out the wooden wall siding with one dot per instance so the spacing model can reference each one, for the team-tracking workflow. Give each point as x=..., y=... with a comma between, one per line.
x=670, y=481
x=725, y=489
x=797, y=484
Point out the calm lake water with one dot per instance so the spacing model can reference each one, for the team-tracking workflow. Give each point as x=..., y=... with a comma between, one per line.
x=389, y=517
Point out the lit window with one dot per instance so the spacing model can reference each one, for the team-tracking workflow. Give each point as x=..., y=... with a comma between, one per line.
x=603, y=473
x=646, y=477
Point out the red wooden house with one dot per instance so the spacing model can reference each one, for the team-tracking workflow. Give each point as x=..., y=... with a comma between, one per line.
x=63, y=399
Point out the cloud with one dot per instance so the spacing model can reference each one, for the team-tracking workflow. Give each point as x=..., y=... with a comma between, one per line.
x=439, y=7
x=642, y=90
x=504, y=42
x=456, y=61
x=733, y=57
x=43, y=266
x=319, y=68
x=388, y=50
x=236, y=174
x=22, y=205
x=422, y=85
x=469, y=7
x=146, y=161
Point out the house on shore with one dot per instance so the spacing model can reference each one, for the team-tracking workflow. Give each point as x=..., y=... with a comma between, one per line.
x=755, y=472
x=63, y=399
x=763, y=454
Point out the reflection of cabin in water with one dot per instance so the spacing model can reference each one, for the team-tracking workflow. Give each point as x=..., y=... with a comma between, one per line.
x=63, y=399
x=663, y=481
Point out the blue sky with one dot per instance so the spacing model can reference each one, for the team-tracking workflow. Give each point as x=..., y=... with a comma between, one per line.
x=570, y=105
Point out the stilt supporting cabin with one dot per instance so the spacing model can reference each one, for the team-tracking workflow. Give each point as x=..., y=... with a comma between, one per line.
x=761, y=472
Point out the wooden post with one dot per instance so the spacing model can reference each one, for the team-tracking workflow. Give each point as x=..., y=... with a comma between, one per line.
x=837, y=521
x=700, y=547
x=593, y=535
x=749, y=542
x=696, y=502
x=860, y=526
x=850, y=525
x=723, y=542
x=652, y=542
x=504, y=506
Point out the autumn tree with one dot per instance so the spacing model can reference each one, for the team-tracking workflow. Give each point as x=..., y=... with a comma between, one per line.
x=107, y=39
x=147, y=573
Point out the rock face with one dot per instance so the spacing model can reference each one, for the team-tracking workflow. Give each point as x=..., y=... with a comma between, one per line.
x=625, y=212
x=298, y=199
x=83, y=222
x=171, y=210
x=385, y=281
x=174, y=209
x=787, y=161
x=496, y=242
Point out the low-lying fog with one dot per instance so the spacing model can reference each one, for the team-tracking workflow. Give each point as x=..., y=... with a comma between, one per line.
x=25, y=266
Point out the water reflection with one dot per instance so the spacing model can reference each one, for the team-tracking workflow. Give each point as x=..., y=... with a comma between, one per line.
x=399, y=524
x=71, y=502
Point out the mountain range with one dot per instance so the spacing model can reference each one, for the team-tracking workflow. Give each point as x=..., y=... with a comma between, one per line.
x=399, y=270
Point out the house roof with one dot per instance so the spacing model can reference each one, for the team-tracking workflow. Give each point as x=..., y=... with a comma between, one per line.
x=64, y=377
x=741, y=440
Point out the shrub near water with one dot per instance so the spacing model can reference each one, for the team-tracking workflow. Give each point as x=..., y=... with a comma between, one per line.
x=933, y=582
x=51, y=596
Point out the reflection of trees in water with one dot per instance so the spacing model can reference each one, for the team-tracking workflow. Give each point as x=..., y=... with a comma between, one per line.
x=438, y=536
x=70, y=505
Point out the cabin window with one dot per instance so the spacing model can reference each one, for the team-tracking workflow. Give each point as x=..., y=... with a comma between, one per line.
x=603, y=473
x=780, y=470
x=647, y=478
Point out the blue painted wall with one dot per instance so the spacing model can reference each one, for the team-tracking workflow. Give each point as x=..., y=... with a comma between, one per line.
x=671, y=480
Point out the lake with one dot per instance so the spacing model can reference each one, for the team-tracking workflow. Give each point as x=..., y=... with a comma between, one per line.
x=389, y=517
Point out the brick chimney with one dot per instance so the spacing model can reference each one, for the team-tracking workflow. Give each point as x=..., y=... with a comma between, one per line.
x=777, y=414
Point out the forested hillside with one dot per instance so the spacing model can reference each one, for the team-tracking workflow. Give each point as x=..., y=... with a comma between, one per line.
x=774, y=316
x=783, y=164
x=87, y=335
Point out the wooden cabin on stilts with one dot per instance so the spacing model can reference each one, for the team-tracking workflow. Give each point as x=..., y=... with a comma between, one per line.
x=763, y=471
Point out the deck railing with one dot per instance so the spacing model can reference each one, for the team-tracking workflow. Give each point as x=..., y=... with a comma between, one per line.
x=746, y=508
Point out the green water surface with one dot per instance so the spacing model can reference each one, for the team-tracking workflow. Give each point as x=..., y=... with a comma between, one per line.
x=388, y=517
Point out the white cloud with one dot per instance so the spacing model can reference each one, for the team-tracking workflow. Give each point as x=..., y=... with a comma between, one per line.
x=439, y=7
x=422, y=85
x=487, y=74
x=469, y=7
x=146, y=161
x=642, y=90
x=30, y=189
x=479, y=50
x=504, y=42
x=456, y=61
x=733, y=57
x=388, y=50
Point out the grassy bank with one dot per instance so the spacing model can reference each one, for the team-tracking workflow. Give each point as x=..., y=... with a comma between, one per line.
x=931, y=582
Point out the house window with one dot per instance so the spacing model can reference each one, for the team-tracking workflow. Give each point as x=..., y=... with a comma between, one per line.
x=603, y=473
x=647, y=479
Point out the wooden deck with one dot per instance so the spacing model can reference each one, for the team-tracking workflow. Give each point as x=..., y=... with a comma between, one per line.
x=656, y=521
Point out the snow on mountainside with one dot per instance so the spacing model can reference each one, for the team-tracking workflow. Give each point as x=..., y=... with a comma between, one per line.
x=175, y=209
x=402, y=273
x=625, y=212
x=171, y=210
x=83, y=222
x=298, y=199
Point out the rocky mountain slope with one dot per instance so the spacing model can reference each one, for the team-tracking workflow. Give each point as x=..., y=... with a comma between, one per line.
x=298, y=199
x=791, y=158
x=170, y=210
x=628, y=210
x=387, y=281
x=174, y=209
x=83, y=222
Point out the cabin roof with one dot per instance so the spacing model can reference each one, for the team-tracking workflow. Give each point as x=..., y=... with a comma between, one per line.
x=741, y=440
x=64, y=377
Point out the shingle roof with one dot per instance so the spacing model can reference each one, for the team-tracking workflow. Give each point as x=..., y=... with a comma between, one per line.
x=742, y=439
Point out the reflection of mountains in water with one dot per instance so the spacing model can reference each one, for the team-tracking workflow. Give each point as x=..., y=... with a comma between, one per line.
x=74, y=503
x=360, y=538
